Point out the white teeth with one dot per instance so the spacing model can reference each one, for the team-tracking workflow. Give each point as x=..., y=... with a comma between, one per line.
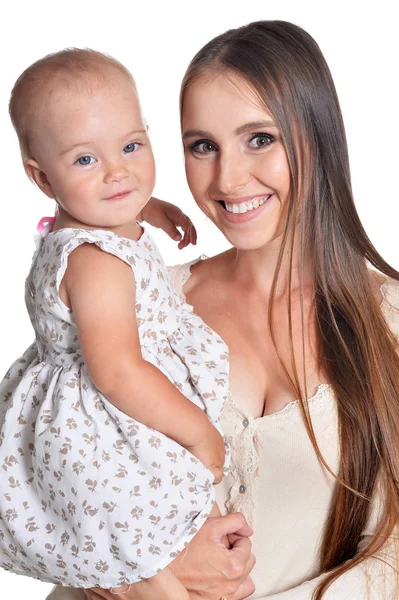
x=246, y=206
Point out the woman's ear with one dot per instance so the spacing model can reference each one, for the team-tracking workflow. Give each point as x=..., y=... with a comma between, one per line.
x=35, y=173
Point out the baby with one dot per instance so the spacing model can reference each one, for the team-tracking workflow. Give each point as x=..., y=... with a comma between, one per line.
x=107, y=468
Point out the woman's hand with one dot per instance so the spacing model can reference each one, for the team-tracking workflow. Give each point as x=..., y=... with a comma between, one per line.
x=163, y=586
x=208, y=569
x=169, y=218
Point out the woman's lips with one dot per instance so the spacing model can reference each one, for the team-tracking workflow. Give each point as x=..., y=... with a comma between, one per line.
x=244, y=211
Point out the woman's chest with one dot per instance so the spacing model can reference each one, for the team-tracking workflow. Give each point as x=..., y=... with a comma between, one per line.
x=258, y=356
x=279, y=484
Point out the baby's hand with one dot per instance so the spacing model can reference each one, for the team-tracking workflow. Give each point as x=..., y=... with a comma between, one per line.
x=211, y=451
x=169, y=218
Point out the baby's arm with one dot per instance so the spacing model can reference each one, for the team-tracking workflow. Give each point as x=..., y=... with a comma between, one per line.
x=169, y=218
x=100, y=290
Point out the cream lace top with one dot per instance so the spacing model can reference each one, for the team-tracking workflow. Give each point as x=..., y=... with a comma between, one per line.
x=278, y=483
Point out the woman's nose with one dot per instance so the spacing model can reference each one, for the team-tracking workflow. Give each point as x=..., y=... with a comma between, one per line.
x=232, y=173
x=115, y=171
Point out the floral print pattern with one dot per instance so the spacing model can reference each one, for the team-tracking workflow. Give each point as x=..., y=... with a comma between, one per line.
x=89, y=496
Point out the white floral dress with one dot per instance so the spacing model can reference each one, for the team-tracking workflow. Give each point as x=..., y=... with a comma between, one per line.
x=88, y=495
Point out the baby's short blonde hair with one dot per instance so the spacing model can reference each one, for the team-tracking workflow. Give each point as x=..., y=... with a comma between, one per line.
x=69, y=67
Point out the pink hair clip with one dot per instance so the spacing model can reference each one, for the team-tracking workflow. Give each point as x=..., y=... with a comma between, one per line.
x=44, y=222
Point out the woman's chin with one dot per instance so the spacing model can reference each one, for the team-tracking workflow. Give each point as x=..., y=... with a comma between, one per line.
x=252, y=230
x=254, y=238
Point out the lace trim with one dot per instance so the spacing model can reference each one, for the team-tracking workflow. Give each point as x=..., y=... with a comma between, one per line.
x=324, y=390
x=390, y=304
x=244, y=450
x=244, y=445
x=184, y=272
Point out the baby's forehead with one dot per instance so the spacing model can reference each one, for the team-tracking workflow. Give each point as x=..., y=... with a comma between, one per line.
x=71, y=108
x=74, y=90
x=74, y=86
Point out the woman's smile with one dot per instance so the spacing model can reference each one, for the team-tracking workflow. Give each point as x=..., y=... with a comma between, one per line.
x=242, y=211
x=236, y=164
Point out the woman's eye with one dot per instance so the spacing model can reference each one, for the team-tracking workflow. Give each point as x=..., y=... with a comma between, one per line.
x=261, y=140
x=130, y=147
x=202, y=147
x=86, y=160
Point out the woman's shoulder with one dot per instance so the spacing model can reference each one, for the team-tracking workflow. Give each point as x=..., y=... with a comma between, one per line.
x=198, y=271
x=389, y=295
x=179, y=274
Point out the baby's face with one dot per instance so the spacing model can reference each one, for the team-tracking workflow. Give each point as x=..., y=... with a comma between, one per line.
x=93, y=147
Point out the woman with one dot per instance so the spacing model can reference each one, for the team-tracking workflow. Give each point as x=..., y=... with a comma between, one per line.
x=303, y=315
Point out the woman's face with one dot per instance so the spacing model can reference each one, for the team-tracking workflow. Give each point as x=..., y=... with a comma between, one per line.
x=236, y=164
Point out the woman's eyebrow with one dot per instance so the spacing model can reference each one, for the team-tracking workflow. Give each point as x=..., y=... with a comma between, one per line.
x=196, y=133
x=242, y=129
x=254, y=125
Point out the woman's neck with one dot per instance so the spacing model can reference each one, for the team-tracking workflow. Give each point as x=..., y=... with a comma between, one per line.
x=255, y=269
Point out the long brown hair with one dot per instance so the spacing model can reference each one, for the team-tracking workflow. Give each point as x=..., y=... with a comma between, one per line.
x=286, y=68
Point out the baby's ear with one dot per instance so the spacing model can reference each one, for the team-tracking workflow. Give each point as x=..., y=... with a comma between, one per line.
x=35, y=173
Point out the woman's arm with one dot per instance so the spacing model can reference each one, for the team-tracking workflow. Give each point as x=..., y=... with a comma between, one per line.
x=206, y=568
x=163, y=586
x=374, y=579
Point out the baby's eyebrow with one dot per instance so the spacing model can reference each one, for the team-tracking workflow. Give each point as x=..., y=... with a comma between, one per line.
x=74, y=146
x=128, y=135
x=135, y=132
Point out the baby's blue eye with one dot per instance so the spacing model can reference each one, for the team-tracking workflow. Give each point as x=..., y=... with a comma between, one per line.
x=130, y=148
x=85, y=160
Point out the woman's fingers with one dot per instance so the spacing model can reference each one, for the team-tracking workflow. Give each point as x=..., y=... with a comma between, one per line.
x=233, y=537
x=91, y=595
x=100, y=594
x=241, y=562
x=244, y=590
x=207, y=568
x=234, y=523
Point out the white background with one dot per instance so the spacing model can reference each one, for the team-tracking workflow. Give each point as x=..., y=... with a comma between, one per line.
x=156, y=41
